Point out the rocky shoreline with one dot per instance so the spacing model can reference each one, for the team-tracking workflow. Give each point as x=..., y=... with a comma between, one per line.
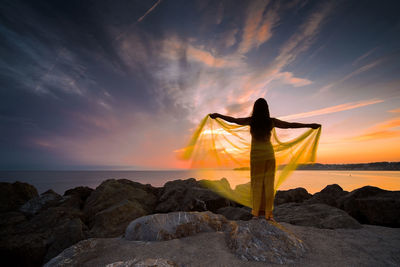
x=85, y=226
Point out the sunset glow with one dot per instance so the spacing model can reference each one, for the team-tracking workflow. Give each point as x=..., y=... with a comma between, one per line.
x=110, y=86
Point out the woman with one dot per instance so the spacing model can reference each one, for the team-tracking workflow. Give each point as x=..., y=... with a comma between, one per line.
x=262, y=158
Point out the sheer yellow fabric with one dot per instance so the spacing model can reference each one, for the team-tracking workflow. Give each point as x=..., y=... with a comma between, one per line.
x=219, y=144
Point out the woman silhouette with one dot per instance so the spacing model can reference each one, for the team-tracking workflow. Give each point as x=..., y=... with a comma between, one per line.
x=262, y=158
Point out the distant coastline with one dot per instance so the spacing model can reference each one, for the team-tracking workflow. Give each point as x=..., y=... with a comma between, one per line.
x=372, y=166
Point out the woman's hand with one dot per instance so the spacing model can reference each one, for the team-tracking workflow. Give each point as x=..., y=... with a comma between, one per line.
x=315, y=125
x=214, y=115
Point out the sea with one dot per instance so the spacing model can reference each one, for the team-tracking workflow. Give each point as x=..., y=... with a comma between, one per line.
x=312, y=180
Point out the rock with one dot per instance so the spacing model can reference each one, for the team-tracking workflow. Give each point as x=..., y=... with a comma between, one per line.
x=71, y=201
x=188, y=195
x=110, y=208
x=33, y=242
x=76, y=197
x=256, y=240
x=329, y=195
x=13, y=195
x=316, y=215
x=82, y=191
x=160, y=227
x=42, y=202
x=292, y=195
x=144, y=263
x=372, y=205
x=113, y=220
x=8, y=220
x=325, y=247
x=236, y=213
x=260, y=240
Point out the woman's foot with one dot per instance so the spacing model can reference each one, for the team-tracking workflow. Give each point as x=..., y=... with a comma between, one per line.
x=270, y=217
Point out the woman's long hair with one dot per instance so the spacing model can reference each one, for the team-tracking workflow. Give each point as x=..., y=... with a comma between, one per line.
x=260, y=123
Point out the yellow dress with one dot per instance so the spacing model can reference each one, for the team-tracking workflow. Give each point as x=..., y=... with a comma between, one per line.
x=218, y=144
x=262, y=177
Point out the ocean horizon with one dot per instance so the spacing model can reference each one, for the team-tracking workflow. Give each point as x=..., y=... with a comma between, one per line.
x=312, y=180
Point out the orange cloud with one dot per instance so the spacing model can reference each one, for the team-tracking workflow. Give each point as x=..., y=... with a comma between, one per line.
x=173, y=48
x=333, y=109
x=257, y=29
x=395, y=110
x=208, y=59
x=386, y=129
x=287, y=77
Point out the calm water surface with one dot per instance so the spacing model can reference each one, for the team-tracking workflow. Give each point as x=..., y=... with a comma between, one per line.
x=313, y=181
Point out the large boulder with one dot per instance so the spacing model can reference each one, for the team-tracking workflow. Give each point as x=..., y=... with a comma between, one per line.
x=76, y=197
x=372, y=205
x=188, y=195
x=35, y=241
x=292, y=195
x=110, y=208
x=13, y=195
x=160, y=227
x=316, y=215
x=254, y=240
x=329, y=195
x=113, y=220
x=260, y=240
x=42, y=202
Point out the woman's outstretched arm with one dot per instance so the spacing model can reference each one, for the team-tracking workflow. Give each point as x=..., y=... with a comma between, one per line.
x=285, y=124
x=240, y=121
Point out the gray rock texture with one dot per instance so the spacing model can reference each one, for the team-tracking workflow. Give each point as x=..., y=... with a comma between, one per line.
x=260, y=240
x=160, y=227
x=45, y=200
x=256, y=240
x=159, y=262
x=368, y=246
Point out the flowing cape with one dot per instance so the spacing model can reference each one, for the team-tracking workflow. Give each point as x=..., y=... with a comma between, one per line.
x=220, y=144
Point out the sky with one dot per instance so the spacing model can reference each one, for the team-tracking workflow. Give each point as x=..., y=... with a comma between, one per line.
x=123, y=84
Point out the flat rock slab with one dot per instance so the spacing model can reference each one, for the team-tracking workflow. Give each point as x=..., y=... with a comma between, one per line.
x=369, y=246
x=254, y=240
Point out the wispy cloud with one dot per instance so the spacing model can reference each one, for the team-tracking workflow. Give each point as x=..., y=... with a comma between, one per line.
x=174, y=48
x=386, y=129
x=364, y=56
x=301, y=41
x=287, y=77
x=148, y=11
x=352, y=74
x=333, y=109
x=258, y=27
